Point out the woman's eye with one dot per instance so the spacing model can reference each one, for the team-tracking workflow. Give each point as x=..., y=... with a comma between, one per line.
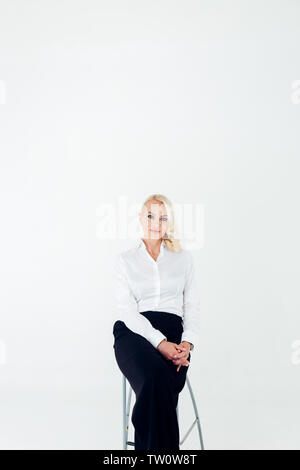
x=162, y=219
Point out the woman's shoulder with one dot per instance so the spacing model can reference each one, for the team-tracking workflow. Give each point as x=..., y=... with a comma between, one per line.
x=187, y=258
x=185, y=253
x=125, y=256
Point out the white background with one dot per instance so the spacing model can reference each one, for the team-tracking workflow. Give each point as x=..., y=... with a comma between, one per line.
x=193, y=99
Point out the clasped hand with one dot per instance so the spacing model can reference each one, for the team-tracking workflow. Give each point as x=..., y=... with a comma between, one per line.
x=177, y=353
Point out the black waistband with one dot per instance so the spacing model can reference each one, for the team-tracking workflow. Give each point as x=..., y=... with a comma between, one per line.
x=159, y=318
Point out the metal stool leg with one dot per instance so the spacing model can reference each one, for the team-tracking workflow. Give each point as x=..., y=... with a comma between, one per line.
x=124, y=414
x=197, y=420
x=126, y=411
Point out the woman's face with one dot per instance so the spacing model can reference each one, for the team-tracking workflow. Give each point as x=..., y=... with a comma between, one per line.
x=154, y=220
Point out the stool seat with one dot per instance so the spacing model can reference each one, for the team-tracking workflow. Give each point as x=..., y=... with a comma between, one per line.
x=126, y=411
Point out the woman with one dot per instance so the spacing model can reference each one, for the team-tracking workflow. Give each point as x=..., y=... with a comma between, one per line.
x=157, y=324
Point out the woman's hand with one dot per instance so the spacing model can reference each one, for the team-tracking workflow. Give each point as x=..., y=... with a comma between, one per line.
x=174, y=352
x=168, y=349
x=180, y=358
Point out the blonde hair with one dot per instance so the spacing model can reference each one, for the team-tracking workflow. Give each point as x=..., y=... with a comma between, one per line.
x=169, y=238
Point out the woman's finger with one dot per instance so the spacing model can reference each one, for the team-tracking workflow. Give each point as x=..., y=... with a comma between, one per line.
x=181, y=362
x=185, y=364
x=177, y=361
x=179, y=355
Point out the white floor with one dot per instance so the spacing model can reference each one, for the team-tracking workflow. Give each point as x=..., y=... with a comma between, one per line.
x=92, y=419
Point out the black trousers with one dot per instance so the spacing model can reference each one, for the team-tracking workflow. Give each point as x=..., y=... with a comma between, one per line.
x=154, y=379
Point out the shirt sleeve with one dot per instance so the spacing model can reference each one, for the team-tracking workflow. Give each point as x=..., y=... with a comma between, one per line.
x=191, y=306
x=127, y=309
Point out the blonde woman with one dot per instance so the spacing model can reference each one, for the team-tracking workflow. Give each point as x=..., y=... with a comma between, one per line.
x=157, y=306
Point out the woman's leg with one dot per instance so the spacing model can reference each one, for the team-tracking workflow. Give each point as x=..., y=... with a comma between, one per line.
x=156, y=384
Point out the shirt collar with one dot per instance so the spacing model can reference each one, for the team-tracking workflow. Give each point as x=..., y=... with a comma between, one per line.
x=141, y=245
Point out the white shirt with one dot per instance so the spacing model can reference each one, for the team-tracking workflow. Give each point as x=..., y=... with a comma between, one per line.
x=167, y=285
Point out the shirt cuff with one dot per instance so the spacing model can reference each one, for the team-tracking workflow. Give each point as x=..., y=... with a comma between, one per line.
x=191, y=337
x=156, y=338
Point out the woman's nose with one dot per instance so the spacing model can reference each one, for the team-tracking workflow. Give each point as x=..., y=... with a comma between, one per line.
x=155, y=226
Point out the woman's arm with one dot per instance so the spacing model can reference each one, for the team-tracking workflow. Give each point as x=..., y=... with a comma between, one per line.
x=191, y=305
x=127, y=309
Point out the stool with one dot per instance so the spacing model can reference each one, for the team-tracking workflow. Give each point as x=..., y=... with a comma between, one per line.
x=126, y=410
